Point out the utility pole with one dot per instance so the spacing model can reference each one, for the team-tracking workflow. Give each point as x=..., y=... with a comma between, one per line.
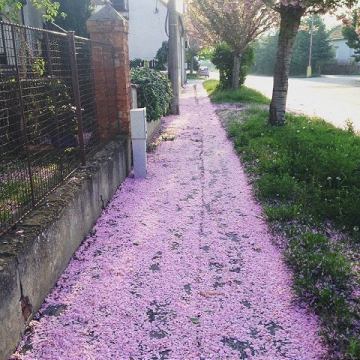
x=309, y=69
x=173, y=60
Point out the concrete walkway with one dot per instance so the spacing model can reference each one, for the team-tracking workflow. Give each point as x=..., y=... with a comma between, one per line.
x=180, y=266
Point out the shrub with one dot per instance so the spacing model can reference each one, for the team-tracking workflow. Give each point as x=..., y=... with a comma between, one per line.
x=244, y=94
x=136, y=63
x=223, y=59
x=154, y=91
x=162, y=56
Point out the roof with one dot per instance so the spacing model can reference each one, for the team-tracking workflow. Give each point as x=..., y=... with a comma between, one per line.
x=179, y=5
x=336, y=33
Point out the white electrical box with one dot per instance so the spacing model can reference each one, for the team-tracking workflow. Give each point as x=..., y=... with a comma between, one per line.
x=138, y=138
x=138, y=124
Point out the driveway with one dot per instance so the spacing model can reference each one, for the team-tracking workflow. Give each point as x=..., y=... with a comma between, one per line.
x=334, y=98
x=180, y=266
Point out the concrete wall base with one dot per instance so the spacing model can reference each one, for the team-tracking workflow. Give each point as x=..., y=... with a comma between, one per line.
x=153, y=129
x=33, y=256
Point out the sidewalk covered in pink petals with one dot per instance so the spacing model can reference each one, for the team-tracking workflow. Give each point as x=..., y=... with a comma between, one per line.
x=180, y=265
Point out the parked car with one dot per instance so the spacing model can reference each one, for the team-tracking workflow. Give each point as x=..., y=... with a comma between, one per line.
x=204, y=71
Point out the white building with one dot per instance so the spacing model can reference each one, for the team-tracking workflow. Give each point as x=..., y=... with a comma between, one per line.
x=343, y=53
x=148, y=29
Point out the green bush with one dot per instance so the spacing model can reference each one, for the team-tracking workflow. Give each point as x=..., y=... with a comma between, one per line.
x=154, y=91
x=223, y=59
x=136, y=63
x=162, y=56
x=244, y=94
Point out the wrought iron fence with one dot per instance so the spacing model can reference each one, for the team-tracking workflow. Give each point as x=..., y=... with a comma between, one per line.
x=47, y=114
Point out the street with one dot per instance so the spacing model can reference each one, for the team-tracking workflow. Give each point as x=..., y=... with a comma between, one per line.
x=334, y=98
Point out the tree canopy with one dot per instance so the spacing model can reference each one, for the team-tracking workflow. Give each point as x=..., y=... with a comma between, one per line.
x=265, y=50
x=234, y=22
x=352, y=33
x=314, y=6
x=11, y=8
x=73, y=15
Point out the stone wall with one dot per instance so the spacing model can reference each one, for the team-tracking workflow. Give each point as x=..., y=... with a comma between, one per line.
x=33, y=256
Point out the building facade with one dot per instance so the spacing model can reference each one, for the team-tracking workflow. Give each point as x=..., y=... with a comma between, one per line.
x=343, y=53
x=148, y=29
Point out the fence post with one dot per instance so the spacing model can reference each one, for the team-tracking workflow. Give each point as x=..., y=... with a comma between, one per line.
x=76, y=90
x=109, y=27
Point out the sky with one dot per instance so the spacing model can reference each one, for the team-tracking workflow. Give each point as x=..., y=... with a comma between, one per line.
x=331, y=21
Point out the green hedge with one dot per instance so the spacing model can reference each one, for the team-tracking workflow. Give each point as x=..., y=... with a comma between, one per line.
x=154, y=91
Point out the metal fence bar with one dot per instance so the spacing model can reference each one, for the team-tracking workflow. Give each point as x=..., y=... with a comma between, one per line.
x=76, y=91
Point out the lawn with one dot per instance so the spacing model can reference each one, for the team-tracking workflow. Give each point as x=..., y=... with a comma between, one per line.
x=307, y=177
x=244, y=95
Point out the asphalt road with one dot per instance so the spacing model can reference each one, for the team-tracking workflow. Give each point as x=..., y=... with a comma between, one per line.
x=333, y=98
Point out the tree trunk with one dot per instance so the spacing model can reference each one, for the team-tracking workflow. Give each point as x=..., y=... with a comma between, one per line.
x=290, y=22
x=192, y=66
x=236, y=72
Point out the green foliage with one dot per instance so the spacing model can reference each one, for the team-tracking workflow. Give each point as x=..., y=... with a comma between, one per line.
x=353, y=350
x=206, y=53
x=162, y=56
x=155, y=91
x=11, y=8
x=76, y=14
x=323, y=277
x=244, y=94
x=323, y=161
x=318, y=6
x=192, y=61
x=283, y=187
x=282, y=212
x=321, y=50
x=223, y=59
x=265, y=50
x=136, y=63
x=352, y=36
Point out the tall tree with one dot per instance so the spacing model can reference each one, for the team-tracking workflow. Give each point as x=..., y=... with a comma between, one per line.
x=321, y=48
x=265, y=49
x=352, y=33
x=11, y=8
x=76, y=14
x=235, y=22
x=291, y=13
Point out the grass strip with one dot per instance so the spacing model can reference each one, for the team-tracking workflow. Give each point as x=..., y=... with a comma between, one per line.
x=307, y=177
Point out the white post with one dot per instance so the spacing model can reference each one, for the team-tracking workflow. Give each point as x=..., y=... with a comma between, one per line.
x=138, y=137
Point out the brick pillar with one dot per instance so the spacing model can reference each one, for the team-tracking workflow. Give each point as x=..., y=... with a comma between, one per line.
x=109, y=27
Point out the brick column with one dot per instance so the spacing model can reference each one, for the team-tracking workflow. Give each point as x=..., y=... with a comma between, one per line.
x=109, y=27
